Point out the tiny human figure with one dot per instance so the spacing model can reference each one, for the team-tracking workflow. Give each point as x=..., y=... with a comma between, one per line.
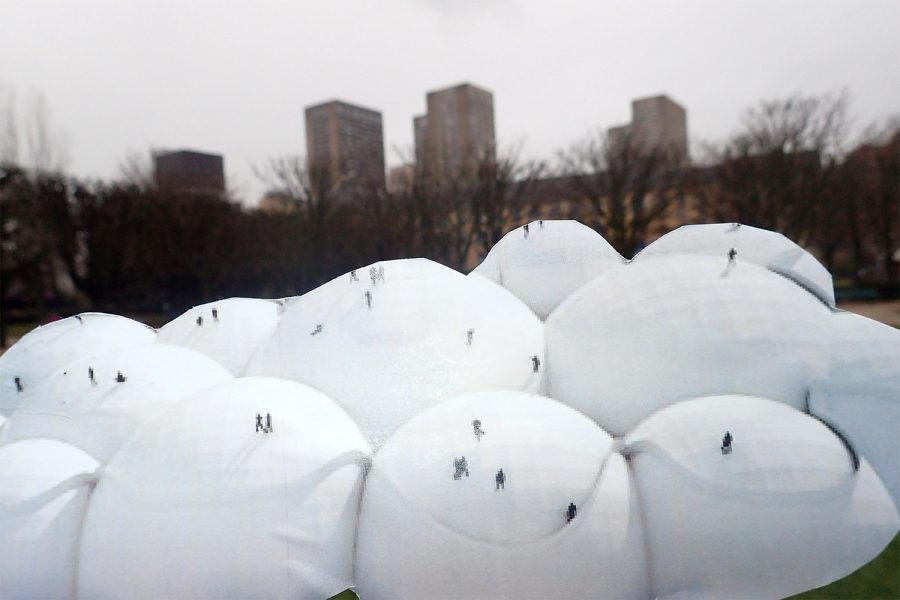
x=500, y=480
x=535, y=363
x=726, y=443
x=353, y=276
x=199, y=321
x=18, y=381
x=525, y=228
x=215, y=314
x=376, y=274
x=120, y=378
x=369, y=298
x=470, y=335
x=460, y=468
x=731, y=255
x=91, y=376
x=317, y=330
x=571, y=512
x=259, y=424
x=541, y=223
x=476, y=426
x=268, y=428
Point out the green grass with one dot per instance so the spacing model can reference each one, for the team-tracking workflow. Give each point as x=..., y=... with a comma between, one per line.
x=17, y=330
x=880, y=579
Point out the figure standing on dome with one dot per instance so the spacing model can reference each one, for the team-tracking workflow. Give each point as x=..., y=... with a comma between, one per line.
x=731, y=256
x=571, y=512
x=461, y=467
x=18, y=384
x=535, y=363
x=476, y=427
x=500, y=480
x=726, y=443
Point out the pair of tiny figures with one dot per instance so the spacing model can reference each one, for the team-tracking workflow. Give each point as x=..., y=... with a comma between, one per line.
x=265, y=428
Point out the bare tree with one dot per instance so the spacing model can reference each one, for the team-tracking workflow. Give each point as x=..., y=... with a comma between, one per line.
x=9, y=131
x=136, y=169
x=628, y=185
x=869, y=181
x=777, y=171
x=313, y=201
x=502, y=196
x=459, y=219
x=45, y=145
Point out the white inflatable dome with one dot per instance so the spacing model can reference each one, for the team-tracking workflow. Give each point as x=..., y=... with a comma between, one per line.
x=859, y=393
x=759, y=246
x=43, y=350
x=202, y=503
x=788, y=509
x=659, y=331
x=131, y=468
x=400, y=336
x=228, y=331
x=98, y=401
x=44, y=489
x=543, y=262
x=433, y=527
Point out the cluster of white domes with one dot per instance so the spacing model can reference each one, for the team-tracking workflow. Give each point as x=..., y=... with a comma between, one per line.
x=699, y=421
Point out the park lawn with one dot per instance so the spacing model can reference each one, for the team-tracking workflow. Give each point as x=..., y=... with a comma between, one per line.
x=880, y=579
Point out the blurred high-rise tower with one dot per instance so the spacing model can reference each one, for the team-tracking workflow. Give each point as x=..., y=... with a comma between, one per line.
x=658, y=124
x=189, y=171
x=456, y=134
x=345, y=144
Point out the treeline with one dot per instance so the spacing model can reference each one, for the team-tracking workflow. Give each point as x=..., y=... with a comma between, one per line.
x=69, y=244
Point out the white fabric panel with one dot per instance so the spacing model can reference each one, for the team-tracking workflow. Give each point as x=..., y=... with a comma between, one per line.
x=411, y=349
x=230, y=335
x=759, y=246
x=659, y=331
x=99, y=416
x=481, y=542
x=545, y=266
x=860, y=392
x=782, y=513
x=199, y=504
x=44, y=489
x=43, y=350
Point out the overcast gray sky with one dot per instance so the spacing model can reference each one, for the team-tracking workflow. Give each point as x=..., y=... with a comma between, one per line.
x=233, y=77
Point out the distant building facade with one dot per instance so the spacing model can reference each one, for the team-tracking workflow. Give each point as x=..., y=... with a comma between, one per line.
x=658, y=123
x=456, y=134
x=346, y=142
x=189, y=171
x=401, y=179
x=420, y=137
